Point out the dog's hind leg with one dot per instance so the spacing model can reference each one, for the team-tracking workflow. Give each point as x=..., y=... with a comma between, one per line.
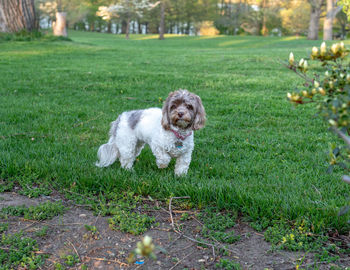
x=138, y=148
x=128, y=151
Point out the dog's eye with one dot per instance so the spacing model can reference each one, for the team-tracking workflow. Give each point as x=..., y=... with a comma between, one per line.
x=190, y=107
x=173, y=107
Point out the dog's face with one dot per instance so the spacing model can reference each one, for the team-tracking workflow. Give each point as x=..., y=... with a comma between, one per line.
x=184, y=110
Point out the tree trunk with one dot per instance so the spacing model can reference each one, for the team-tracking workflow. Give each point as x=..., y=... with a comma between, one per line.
x=60, y=26
x=188, y=27
x=332, y=11
x=124, y=26
x=314, y=19
x=328, y=22
x=236, y=22
x=127, y=28
x=162, y=26
x=139, y=27
x=314, y=24
x=17, y=15
x=109, y=26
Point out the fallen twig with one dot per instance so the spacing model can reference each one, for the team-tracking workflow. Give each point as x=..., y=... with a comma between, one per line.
x=182, y=249
x=173, y=242
x=171, y=215
x=181, y=260
x=190, y=238
x=106, y=260
x=30, y=225
x=75, y=250
x=98, y=249
x=210, y=245
x=65, y=224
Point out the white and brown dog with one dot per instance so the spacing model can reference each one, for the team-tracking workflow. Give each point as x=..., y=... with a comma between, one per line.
x=168, y=132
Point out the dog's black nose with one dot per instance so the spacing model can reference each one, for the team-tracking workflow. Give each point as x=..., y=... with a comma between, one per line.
x=180, y=114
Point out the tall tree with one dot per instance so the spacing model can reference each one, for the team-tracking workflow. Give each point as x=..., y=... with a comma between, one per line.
x=332, y=11
x=17, y=15
x=162, y=21
x=127, y=9
x=316, y=10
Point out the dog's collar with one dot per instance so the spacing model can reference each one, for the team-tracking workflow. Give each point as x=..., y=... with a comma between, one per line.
x=179, y=136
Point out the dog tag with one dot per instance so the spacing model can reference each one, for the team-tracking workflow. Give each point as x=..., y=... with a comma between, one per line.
x=178, y=144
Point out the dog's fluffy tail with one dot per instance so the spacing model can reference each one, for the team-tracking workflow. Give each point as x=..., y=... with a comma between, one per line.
x=108, y=153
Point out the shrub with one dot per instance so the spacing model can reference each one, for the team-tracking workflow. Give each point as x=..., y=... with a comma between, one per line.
x=329, y=90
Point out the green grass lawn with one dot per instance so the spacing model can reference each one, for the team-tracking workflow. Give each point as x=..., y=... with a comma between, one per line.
x=257, y=154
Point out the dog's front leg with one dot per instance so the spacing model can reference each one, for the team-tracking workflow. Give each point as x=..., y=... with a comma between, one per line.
x=182, y=164
x=162, y=157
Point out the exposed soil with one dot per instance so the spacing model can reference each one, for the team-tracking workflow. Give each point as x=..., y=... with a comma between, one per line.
x=68, y=235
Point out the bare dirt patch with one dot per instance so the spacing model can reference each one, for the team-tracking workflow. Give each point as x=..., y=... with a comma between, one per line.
x=108, y=249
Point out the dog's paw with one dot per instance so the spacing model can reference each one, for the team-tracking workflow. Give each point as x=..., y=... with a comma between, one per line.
x=162, y=166
x=180, y=173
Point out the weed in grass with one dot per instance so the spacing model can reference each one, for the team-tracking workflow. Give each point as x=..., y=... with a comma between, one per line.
x=110, y=203
x=184, y=216
x=300, y=236
x=6, y=186
x=122, y=207
x=31, y=186
x=70, y=259
x=26, y=187
x=4, y=227
x=42, y=232
x=93, y=233
x=216, y=224
x=130, y=222
x=34, y=192
x=261, y=224
x=42, y=211
x=326, y=256
x=58, y=266
x=228, y=265
x=216, y=220
x=18, y=252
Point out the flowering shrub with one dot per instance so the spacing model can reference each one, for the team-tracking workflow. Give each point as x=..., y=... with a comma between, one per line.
x=330, y=92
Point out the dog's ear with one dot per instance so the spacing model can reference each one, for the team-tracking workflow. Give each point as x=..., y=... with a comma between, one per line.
x=165, y=112
x=199, y=120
